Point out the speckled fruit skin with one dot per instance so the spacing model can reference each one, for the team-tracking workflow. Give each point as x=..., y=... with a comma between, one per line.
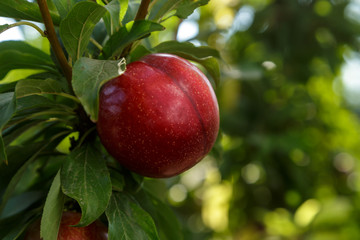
x=94, y=231
x=160, y=117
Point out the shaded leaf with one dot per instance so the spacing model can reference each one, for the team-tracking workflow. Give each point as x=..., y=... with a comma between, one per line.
x=50, y=144
x=28, y=87
x=203, y=55
x=128, y=34
x=22, y=9
x=8, y=87
x=18, y=155
x=164, y=217
x=186, y=48
x=131, y=10
x=20, y=55
x=64, y=6
x=21, y=202
x=161, y=8
x=139, y=52
x=51, y=217
x=127, y=220
x=117, y=180
x=187, y=7
x=7, y=109
x=86, y=179
x=76, y=28
x=12, y=227
x=182, y=8
x=88, y=77
x=112, y=17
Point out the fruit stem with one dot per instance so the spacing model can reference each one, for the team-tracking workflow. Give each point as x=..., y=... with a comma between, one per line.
x=140, y=15
x=54, y=42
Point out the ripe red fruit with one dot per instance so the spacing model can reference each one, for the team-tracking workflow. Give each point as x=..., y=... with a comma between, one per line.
x=160, y=117
x=94, y=231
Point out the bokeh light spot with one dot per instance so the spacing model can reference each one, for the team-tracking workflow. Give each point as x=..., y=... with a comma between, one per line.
x=305, y=214
x=344, y=162
x=322, y=8
x=177, y=193
x=251, y=173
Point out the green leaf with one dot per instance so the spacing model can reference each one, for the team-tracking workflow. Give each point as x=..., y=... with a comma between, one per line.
x=211, y=64
x=203, y=55
x=53, y=208
x=7, y=109
x=88, y=77
x=186, y=48
x=21, y=202
x=22, y=9
x=64, y=6
x=165, y=219
x=8, y=87
x=127, y=220
x=117, y=180
x=18, y=155
x=161, y=8
x=86, y=179
x=50, y=144
x=112, y=17
x=124, y=4
x=11, y=228
x=28, y=87
x=187, y=7
x=76, y=28
x=20, y=55
x=128, y=34
x=139, y=52
x=131, y=11
x=182, y=8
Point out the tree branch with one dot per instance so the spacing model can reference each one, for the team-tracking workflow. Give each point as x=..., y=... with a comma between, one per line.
x=54, y=42
x=140, y=15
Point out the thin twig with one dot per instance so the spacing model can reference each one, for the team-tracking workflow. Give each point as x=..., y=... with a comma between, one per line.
x=54, y=42
x=25, y=23
x=140, y=15
x=98, y=45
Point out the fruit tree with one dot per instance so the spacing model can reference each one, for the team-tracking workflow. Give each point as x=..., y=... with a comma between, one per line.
x=107, y=107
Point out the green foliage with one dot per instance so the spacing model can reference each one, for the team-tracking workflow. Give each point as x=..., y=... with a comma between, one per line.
x=20, y=55
x=24, y=10
x=127, y=220
x=51, y=157
x=202, y=55
x=91, y=74
x=129, y=33
x=53, y=209
x=76, y=28
x=285, y=164
x=86, y=179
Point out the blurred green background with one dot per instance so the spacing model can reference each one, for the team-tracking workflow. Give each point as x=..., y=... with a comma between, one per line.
x=286, y=163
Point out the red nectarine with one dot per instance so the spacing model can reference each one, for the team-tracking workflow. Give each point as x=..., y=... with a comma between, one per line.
x=160, y=117
x=94, y=231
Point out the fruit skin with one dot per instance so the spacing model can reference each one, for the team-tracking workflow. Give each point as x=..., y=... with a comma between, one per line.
x=160, y=117
x=94, y=231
